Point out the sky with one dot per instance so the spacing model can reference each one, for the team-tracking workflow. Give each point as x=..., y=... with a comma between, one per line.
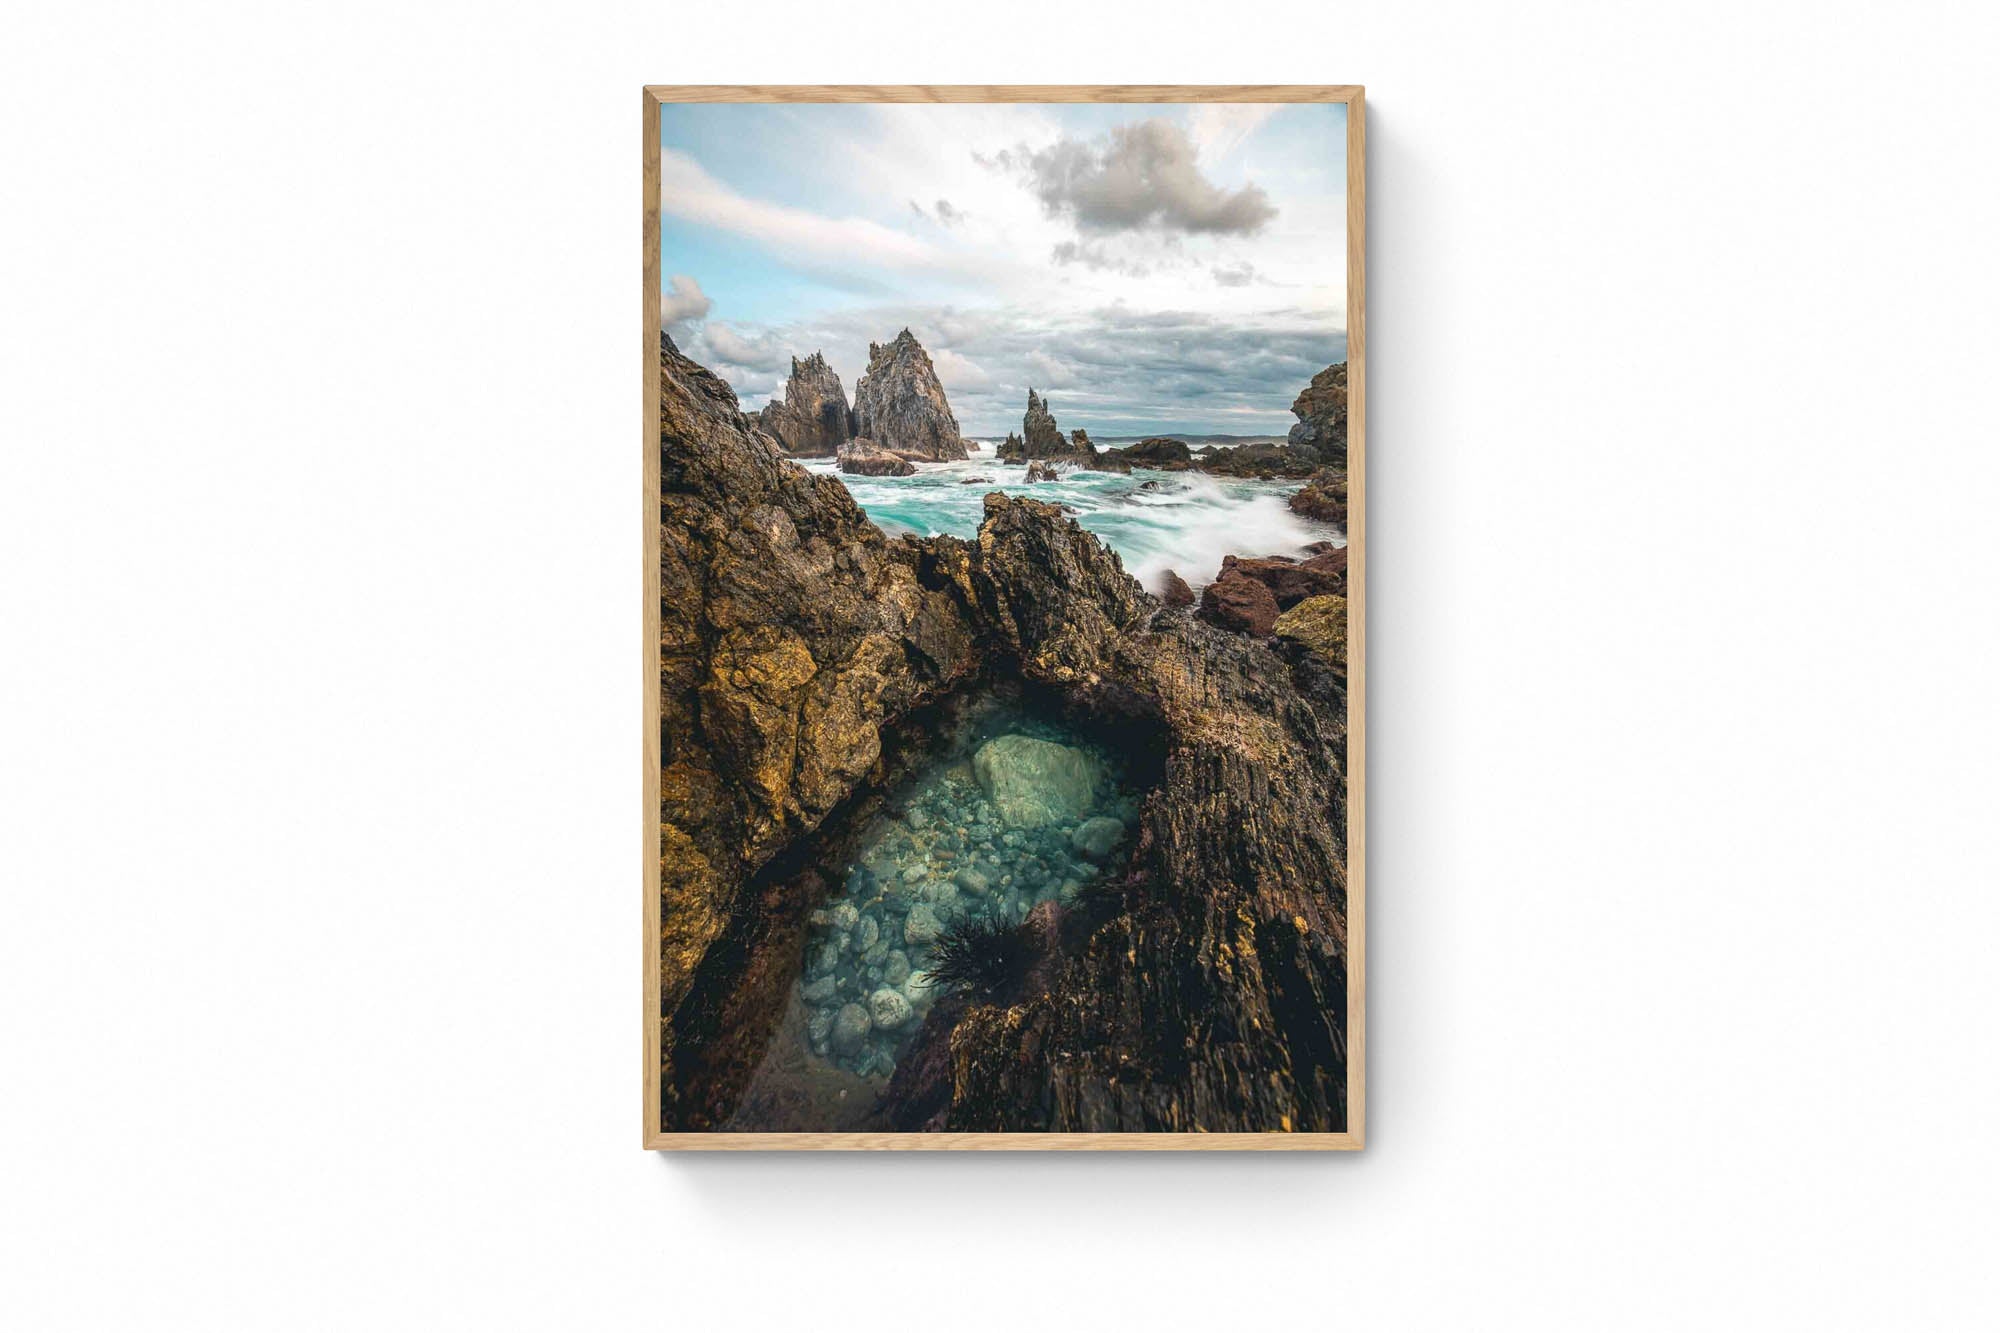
x=1147, y=268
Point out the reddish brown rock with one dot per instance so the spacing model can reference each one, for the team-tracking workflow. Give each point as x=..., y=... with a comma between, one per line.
x=1177, y=591
x=1237, y=602
x=1324, y=497
x=1292, y=581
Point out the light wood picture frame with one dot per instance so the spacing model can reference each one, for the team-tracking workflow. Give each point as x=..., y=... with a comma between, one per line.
x=654, y=1135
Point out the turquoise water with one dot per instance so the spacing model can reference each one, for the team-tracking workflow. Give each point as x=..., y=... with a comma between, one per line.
x=1186, y=522
x=1015, y=812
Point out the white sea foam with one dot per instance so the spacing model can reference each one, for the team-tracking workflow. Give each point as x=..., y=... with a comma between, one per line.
x=1183, y=521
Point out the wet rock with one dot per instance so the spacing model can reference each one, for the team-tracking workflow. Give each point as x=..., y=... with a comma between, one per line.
x=820, y=990
x=1292, y=581
x=1323, y=497
x=866, y=934
x=1240, y=603
x=1177, y=591
x=899, y=402
x=897, y=969
x=851, y=1026
x=863, y=457
x=914, y=874
x=845, y=915
x=889, y=1009
x=1263, y=460
x=972, y=881
x=1097, y=838
x=818, y=1029
x=1039, y=471
x=1035, y=782
x=922, y=925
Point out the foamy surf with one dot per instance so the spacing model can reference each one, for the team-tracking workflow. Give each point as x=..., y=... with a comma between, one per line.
x=1185, y=522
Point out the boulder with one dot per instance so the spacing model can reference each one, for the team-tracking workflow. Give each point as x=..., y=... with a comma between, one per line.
x=888, y=1009
x=1292, y=581
x=1097, y=838
x=865, y=458
x=851, y=1027
x=1177, y=591
x=1035, y=782
x=1238, y=602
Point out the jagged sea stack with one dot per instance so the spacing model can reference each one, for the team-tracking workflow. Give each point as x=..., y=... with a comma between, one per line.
x=900, y=405
x=1040, y=437
x=812, y=421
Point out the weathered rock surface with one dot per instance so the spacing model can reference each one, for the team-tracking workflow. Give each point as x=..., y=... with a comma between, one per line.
x=1177, y=591
x=1292, y=581
x=792, y=631
x=1263, y=459
x=1319, y=626
x=1321, y=409
x=1039, y=436
x=899, y=403
x=1235, y=601
x=1157, y=451
x=813, y=419
x=1324, y=497
x=863, y=457
x=1035, y=782
x=1041, y=439
x=1041, y=471
x=1204, y=990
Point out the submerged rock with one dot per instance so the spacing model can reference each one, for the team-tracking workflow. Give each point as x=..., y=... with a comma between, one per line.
x=851, y=1025
x=899, y=403
x=1034, y=782
x=889, y=1009
x=1096, y=838
x=922, y=925
x=1039, y=471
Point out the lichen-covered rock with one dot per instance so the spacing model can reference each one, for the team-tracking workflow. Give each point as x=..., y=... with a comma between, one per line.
x=862, y=457
x=812, y=420
x=1235, y=601
x=1321, y=409
x=899, y=403
x=1324, y=497
x=1035, y=782
x=1319, y=626
x=792, y=631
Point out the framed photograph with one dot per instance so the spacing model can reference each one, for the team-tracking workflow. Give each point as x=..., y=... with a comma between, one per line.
x=1004, y=512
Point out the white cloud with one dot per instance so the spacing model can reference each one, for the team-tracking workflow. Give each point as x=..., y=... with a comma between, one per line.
x=958, y=372
x=758, y=352
x=1045, y=369
x=683, y=300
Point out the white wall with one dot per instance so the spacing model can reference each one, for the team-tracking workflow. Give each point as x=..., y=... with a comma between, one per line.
x=319, y=799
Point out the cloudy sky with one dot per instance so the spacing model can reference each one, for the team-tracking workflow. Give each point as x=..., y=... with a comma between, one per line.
x=1149, y=268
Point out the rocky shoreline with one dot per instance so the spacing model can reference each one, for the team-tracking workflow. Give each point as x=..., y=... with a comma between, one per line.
x=809, y=663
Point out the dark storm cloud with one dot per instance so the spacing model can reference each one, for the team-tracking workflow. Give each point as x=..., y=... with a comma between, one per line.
x=1140, y=177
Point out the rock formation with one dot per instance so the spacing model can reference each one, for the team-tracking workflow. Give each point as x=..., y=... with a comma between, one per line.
x=812, y=421
x=1263, y=459
x=1324, y=497
x=1157, y=451
x=863, y=457
x=1321, y=409
x=899, y=403
x=1039, y=436
x=802, y=652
